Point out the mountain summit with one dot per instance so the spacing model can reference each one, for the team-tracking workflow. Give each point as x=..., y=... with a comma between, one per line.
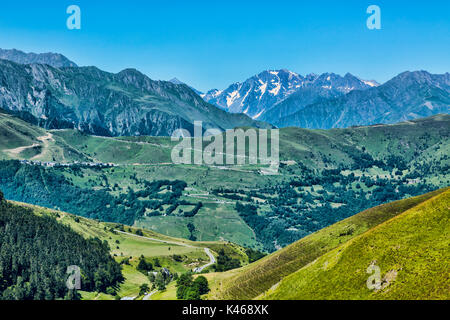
x=257, y=93
x=52, y=59
x=315, y=88
x=260, y=93
x=177, y=81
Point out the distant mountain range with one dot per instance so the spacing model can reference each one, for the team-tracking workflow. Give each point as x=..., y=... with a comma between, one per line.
x=320, y=88
x=52, y=59
x=408, y=96
x=267, y=91
x=50, y=90
x=102, y=103
x=284, y=98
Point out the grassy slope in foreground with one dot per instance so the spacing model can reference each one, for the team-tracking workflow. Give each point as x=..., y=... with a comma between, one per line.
x=253, y=280
x=411, y=250
x=133, y=246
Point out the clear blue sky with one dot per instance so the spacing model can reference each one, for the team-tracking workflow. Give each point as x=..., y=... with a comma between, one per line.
x=210, y=44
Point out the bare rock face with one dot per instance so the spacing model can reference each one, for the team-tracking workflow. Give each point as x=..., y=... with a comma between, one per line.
x=52, y=59
x=102, y=103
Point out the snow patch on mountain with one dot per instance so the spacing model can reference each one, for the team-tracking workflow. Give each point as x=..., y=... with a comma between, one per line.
x=266, y=90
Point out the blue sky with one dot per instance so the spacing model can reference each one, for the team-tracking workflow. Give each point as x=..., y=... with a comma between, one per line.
x=210, y=44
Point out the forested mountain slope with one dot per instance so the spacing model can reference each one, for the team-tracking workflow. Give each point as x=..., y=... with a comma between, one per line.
x=36, y=252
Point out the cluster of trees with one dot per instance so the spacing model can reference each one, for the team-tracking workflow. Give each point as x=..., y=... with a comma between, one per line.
x=194, y=211
x=364, y=161
x=230, y=194
x=144, y=266
x=161, y=279
x=35, y=252
x=254, y=255
x=191, y=229
x=190, y=289
x=143, y=289
x=225, y=263
x=259, y=224
x=152, y=189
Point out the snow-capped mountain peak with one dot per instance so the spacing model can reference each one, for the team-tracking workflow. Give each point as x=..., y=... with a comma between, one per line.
x=269, y=88
x=371, y=83
x=256, y=93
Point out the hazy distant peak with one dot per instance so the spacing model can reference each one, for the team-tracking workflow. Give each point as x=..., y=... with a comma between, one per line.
x=176, y=81
x=52, y=59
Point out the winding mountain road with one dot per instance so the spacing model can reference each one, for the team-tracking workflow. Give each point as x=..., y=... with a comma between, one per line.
x=149, y=295
x=196, y=270
x=211, y=262
x=212, y=259
x=157, y=240
x=44, y=144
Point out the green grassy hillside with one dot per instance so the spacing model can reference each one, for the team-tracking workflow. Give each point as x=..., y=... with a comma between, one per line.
x=315, y=149
x=325, y=176
x=15, y=133
x=329, y=175
x=128, y=245
x=411, y=251
x=407, y=140
x=117, y=150
x=251, y=281
x=21, y=140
